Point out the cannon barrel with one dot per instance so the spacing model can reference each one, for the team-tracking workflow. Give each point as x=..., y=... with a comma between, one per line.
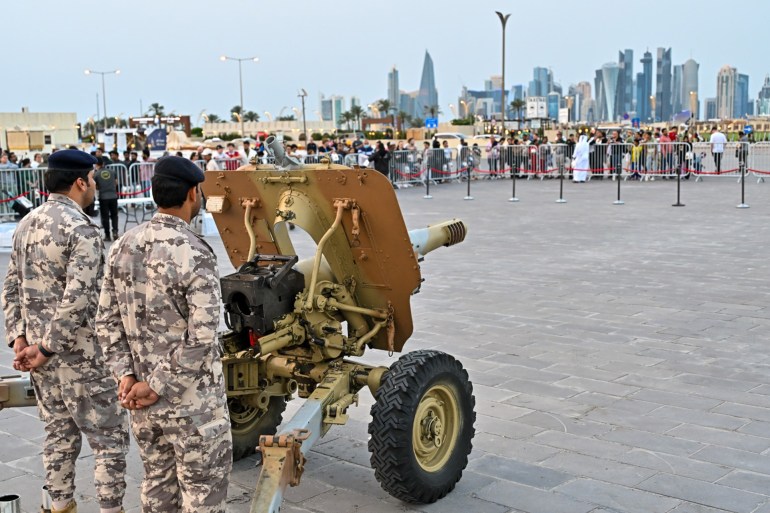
x=16, y=391
x=448, y=233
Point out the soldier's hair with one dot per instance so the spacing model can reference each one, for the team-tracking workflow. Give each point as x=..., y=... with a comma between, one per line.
x=169, y=192
x=61, y=180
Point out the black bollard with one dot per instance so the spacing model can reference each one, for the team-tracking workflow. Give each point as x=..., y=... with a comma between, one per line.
x=678, y=188
x=513, y=197
x=561, y=186
x=618, y=201
x=468, y=178
x=427, y=185
x=743, y=186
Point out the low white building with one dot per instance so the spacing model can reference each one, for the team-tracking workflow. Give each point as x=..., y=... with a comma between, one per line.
x=30, y=132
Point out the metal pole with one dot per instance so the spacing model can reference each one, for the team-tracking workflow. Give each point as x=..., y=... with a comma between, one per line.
x=678, y=188
x=503, y=21
x=561, y=179
x=304, y=122
x=468, y=168
x=616, y=176
x=240, y=81
x=742, y=163
x=104, y=100
x=427, y=178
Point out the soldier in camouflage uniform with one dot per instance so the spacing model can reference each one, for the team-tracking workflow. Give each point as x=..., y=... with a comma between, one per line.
x=49, y=300
x=157, y=321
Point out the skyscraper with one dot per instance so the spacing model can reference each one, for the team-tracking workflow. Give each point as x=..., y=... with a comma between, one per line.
x=600, y=107
x=690, y=86
x=644, y=91
x=394, y=93
x=742, y=105
x=332, y=108
x=710, y=106
x=676, y=89
x=625, y=98
x=663, y=86
x=427, y=96
x=586, y=101
x=763, y=99
x=727, y=79
x=610, y=75
x=542, y=82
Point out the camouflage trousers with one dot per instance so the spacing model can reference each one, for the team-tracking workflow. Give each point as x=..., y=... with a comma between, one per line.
x=187, y=461
x=69, y=409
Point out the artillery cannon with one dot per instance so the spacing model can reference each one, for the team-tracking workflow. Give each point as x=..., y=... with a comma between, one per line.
x=295, y=325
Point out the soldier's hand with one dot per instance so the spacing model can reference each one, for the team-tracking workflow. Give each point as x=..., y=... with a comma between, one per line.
x=31, y=358
x=19, y=344
x=140, y=396
x=126, y=383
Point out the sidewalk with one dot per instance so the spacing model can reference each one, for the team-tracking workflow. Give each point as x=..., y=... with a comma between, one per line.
x=620, y=357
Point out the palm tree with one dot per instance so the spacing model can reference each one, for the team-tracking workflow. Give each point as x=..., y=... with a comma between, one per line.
x=213, y=118
x=402, y=118
x=416, y=121
x=157, y=109
x=250, y=115
x=518, y=104
x=431, y=111
x=385, y=106
x=357, y=112
x=346, y=117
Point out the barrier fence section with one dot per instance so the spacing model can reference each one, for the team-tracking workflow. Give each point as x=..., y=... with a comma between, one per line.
x=440, y=165
x=719, y=159
x=21, y=190
x=759, y=160
x=405, y=167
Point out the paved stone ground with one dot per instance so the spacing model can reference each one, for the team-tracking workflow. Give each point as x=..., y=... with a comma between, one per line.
x=619, y=356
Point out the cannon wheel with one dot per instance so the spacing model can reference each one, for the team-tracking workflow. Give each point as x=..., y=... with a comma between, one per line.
x=422, y=426
x=248, y=423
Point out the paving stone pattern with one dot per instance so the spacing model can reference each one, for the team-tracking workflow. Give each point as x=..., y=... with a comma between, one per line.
x=620, y=357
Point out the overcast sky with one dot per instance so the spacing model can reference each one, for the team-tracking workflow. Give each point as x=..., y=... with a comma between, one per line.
x=168, y=50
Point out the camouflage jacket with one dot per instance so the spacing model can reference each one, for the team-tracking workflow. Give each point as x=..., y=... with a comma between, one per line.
x=158, y=315
x=51, y=290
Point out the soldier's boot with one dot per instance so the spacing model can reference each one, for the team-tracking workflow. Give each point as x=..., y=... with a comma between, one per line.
x=115, y=235
x=107, y=236
x=72, y=507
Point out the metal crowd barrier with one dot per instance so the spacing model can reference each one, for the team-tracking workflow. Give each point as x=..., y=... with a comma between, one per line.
x=406, y=167
x=440, y=165
x=759, y=160
x=707, y=162
x=21, y=190
x=229, y=164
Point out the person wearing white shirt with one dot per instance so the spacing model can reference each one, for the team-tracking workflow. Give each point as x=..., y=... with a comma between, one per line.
x=718, y=141
x=36, y=161
x=248, y=153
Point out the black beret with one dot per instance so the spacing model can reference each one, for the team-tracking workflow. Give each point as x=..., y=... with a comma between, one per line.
x=71, y=160
x=180, y=169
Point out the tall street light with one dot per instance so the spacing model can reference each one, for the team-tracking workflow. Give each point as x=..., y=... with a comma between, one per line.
x=104, y=94
x=302, y=94
x=224, y=58
x=652, y=107
x=503, y=21
x=694, y=104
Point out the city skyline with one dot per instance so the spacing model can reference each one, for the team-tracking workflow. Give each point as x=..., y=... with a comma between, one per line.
x=179, y=68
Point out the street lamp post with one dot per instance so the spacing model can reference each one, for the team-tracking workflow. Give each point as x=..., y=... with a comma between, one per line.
x=302, y=94
x=503, y=21
x=694, y=104
x=104, y=93
x=240, y=79
x=652, y=107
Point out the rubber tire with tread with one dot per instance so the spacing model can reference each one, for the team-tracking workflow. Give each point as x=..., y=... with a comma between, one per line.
x=401, y=390
x=245, y=443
